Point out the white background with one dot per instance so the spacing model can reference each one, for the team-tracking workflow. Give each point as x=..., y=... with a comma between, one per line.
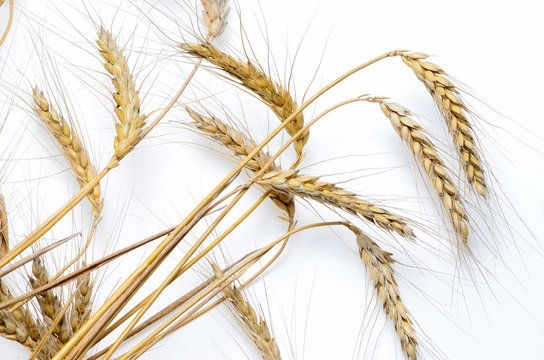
x=317, y=297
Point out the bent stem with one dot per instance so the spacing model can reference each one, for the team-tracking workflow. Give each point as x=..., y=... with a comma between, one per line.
x=59, y=214
x=10, y=21
x=217, y=286
x=180, y=269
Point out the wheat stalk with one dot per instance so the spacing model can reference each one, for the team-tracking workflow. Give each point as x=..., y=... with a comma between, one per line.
x=241, y=145
x=130, y=121
x=271, y=93
x=49, y=303
x=378, y=264
x=291, y=182
x=424, y=150
x=453, y=109
x=252, y=323
x=71, y=145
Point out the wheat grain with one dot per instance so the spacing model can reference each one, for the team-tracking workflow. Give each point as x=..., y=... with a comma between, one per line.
x=49, y=303
x=82, y=305
x=271, y=93
x=18, y=325
x=4, y=233
x=453, y=109
x=425, y=151
x=291, y=182
x=215, y=15
x=252, y=323
x=130, y=121
x=71, y=145
x=241, y=145
x=378, y=264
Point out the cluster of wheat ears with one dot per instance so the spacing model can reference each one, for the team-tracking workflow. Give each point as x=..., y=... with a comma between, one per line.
x=67, y=325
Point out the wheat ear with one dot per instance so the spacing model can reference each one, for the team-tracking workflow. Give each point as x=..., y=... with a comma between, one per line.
x=4, y=233
x=82, y=304
x=130, y=121
x=379, y=267
x=252, y=323
x=291, y=182
x=271, y=93
x=241, y=145
x=424, y=150
x=71, y=145
x=18, y=325
x=49, y=303
x=447, y=98
x=215, y=15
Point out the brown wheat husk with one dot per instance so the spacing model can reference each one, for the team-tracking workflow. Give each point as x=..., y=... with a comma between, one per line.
x=426, y=153
x=455, y=113
x=379, y=266
x=130, y=121
x=271, y=93
x=72, y=146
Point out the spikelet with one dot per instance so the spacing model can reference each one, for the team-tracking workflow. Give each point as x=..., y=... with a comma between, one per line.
x=253, y=324
x=425, y=152
x=18, y=325
x=130, y=121
x=327, y=193
x=447, y=98
x=241, y=145
x=4, y=233
x=379, y=267
x=215, y=15
x=271, y=93
x=71, y=145
x=81, y=306
x=49, y=303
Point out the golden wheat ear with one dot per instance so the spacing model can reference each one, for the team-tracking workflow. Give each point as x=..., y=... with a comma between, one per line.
x=454, y=111
x=252, y=78
x=426, y=153
x=49, y=302
x=290, y=182
x=251, y=322
x=379, y=267
x=215, y=16
x=130, y=121
x=71, y=145
x=18, y=325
